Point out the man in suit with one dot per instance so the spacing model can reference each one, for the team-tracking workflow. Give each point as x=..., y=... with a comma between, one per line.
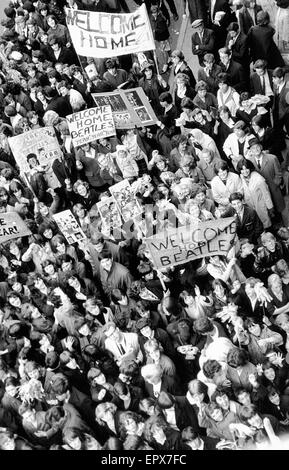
x=247, y=15
x=121, y=345
x=236, y=72
x=261, y=80
x=248, y=224
x=203, y=40
x=269, y=167
x=177, y=412
x=236, y=42
x=61, y=53
x=209, y=73
x=156, y=382
x=281, y=100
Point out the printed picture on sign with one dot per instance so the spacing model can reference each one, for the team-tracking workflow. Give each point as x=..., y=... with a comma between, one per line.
x=109, y=213
x=126, y=200
x=69, y=226
x=133, y=98
x=115, y=101
x=143, y=114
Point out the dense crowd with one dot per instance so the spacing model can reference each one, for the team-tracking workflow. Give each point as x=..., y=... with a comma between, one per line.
x=99, y=348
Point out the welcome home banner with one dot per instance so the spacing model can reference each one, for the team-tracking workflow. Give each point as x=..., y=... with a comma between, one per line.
x=91, y=124
x=100, y=34
x=12, y=226
x=188, y=243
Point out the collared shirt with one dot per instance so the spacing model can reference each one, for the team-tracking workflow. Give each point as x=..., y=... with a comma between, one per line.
x=268, y=88
x=280, y=87
x=171, y=418
x=241, y=214
x=213, y=3
x=259, y=160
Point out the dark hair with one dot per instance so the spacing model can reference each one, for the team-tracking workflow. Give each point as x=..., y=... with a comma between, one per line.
x=222, y=166
x=211, y=367
x=247, y=412
x=166, y=96
x=187, y=103
x=246, y=163
x=236, y=196
x=116, y=295
x=203, y=325
x=278, y=72
x=165, y=400
x=188, y=434
x=223, y=77
x=237, y=357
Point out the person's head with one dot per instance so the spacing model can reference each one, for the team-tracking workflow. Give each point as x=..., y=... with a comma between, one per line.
x=81, y=187
x=14, y=299
x=111, y=331
x=250, y=287
x=237, y=202
x=222, y=171
x=253, y=326
x=282, y=320
x=201, y=88
x=148, y=71
x=68, y=359
x=93, y=306
x=250, y=416
x=148, y=406
x=27, y=413
x=152, y=373
x=155, y=429
x=275, y=283
x=192, y=437
x=106, y=261
x=278, y=76
x=74, y=438
x=214, y=412
x=198, y=25
x=11, y=385
x=51, y=21
x=211, y=369
x=225, y=55
x=223, y=81
x=198, y=390
x=245, y=167
x=239, y=129
x=166, y=401
x=188, y=106
x=152, y=349
x=105, y=412
x=221, y=398
x=268, y=240
x=177, y=56
x=200, y=195
x=7, y=439
x=243, y=396
x=58, y=244
x=263, y=18
x=209, y=61
x=273, y=395
x=203, y=326
x=128, y=423
x=269, y=371
x=237, y=358
x=260, y=67
x=165, y=99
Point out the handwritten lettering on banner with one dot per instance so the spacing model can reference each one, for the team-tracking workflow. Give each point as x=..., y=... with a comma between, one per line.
x=189, y=243
x=101, y=35
x=42, y=142
x=91, y=124
x=69, y=226
x=12, y=226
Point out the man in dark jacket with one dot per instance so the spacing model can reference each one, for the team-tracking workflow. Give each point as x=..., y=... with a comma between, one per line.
x=236, y=72
x=237, y=43
x=57, y=103
x=203, y=40
x=248, y=223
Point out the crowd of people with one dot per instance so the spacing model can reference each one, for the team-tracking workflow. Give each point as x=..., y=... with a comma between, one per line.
x=99, y=348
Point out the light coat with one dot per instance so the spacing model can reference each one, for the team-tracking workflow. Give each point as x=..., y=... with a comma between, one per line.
x=257, y=196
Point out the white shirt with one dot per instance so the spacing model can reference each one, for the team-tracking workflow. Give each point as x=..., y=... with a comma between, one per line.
x=157, y=389
x=213, y=3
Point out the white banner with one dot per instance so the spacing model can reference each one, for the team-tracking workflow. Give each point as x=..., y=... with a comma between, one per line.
x=91, y=124
x=100, y=34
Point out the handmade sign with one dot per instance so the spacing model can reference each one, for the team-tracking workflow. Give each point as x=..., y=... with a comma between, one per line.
x=69, y=226
x=130, y=108
x=109, y=213
x=184, y=244
x=126, y=201
x=42, y=142
x=12, y=226
x=101, y=35
x=90, y=124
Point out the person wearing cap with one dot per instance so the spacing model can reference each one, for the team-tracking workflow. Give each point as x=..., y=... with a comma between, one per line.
x=269, y=167
x=203, y=40
x=236, y=145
